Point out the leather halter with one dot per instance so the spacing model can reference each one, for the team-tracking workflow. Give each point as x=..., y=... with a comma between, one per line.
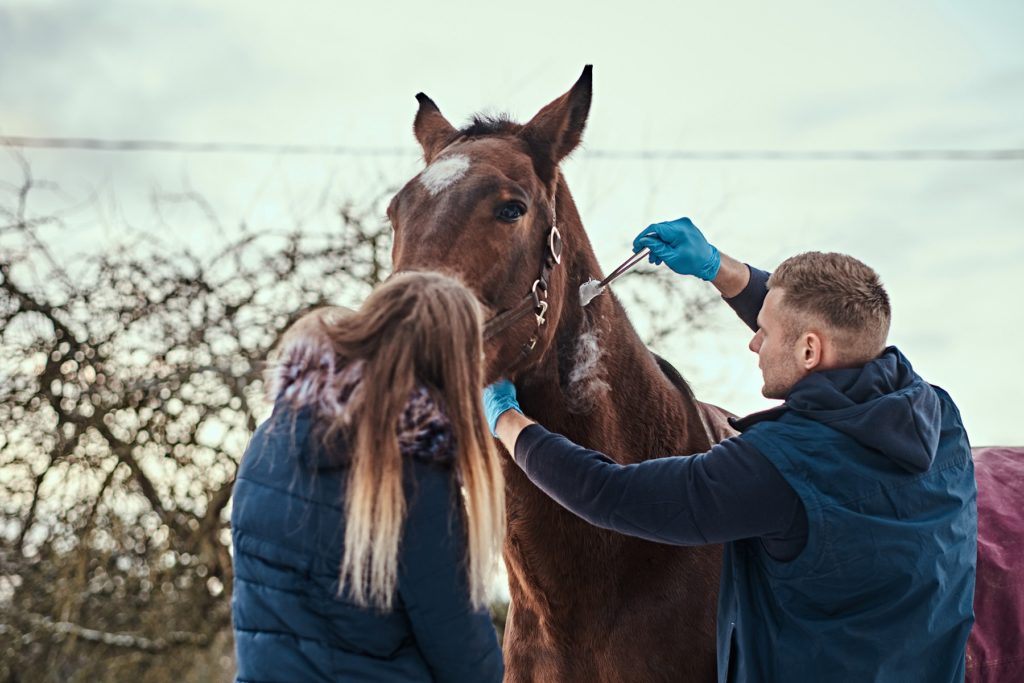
x=536, y=300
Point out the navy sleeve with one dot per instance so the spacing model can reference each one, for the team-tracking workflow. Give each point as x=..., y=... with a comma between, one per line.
x=459, y=644
x=747, y=303
x=728, y=493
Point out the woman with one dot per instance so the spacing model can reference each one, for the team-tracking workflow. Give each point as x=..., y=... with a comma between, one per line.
x=369, y=510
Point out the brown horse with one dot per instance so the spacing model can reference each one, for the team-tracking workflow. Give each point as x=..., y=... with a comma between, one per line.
x=587, y=604
x=590, y=605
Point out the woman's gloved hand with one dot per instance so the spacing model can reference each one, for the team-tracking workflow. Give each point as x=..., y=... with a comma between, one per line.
x=681, y=246
x=499, y=398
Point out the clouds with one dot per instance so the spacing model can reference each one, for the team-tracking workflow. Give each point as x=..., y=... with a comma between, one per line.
x=668, y=75
x=125, y=69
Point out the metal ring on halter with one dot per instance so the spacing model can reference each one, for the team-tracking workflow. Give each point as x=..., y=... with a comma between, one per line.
x=541, y=312
x=555, y=243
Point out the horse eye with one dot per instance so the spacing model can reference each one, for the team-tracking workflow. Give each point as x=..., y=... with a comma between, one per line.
x=512, y=211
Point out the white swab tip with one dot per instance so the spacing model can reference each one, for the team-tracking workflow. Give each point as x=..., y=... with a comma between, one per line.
x=589, y=290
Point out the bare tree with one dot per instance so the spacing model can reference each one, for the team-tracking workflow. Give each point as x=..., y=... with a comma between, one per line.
x=129, y=384
x=130, y=381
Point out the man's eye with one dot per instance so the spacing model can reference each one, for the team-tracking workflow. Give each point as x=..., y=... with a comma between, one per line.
x=511, y=211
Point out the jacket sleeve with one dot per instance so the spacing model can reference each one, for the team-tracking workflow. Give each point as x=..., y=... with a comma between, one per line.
x=728, y=493
x=458, y=643
x=747, y=304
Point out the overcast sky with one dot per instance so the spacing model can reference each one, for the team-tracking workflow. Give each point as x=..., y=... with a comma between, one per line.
x=946, y=236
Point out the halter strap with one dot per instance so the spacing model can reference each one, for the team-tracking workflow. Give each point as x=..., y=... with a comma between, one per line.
x=536, y=300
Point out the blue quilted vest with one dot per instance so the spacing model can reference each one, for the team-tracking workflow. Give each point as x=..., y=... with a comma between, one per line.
x=883, y=590
x=292, y=624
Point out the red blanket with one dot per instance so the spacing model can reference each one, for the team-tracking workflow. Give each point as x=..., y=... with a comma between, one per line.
x=995, y=650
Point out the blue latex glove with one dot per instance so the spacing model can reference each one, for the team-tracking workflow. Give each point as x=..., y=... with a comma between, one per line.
x=681, y=246
x=498, y=398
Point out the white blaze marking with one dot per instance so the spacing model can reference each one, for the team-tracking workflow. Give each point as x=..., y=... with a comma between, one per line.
x=443, y=173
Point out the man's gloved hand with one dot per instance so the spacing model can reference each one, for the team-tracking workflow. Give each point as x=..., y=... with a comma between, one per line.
x=681, y=246
x=498, y=398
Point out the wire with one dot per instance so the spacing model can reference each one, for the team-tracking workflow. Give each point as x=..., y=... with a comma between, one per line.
x=99, y=145
x=115, y=145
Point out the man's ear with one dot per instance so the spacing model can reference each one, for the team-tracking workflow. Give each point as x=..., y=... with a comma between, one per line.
x=812, y=351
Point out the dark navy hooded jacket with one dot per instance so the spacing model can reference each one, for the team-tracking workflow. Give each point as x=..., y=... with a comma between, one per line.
x=848, y=515
x=291, y=622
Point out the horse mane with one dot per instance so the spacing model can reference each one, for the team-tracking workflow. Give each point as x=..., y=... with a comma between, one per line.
x=675, y=377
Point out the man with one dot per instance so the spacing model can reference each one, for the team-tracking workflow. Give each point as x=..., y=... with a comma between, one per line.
x=847, y=513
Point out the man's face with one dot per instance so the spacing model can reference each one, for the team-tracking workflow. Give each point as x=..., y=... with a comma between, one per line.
x=777, y=347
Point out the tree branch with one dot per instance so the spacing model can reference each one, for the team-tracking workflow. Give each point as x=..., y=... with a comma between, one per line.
x=173, y=639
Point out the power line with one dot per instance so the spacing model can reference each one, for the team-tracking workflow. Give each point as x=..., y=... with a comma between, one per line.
x=116, y=145
x=113, y=145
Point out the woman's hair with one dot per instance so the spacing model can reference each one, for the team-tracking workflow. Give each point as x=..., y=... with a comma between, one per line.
x=416, y=329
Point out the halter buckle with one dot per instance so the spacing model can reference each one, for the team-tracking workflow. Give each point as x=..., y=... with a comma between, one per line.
x=542, y=309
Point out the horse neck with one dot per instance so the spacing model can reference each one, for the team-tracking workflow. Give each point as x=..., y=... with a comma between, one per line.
x=634, y=413
x=600, y=385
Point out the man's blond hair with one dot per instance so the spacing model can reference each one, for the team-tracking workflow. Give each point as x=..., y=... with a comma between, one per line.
x=840, y=292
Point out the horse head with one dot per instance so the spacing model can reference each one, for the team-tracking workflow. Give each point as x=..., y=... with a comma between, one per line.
x=490, y=208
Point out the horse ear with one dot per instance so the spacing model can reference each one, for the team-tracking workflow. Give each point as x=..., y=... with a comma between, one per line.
x=431, y=128
x=556, y=130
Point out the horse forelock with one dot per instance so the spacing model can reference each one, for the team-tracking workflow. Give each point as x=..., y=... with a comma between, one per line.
x=484, y=125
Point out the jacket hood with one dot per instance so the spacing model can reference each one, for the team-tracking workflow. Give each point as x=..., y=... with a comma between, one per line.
x=306, y=377
x=883, y=405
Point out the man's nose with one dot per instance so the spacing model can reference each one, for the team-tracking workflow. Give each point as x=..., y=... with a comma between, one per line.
x=755, y=342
